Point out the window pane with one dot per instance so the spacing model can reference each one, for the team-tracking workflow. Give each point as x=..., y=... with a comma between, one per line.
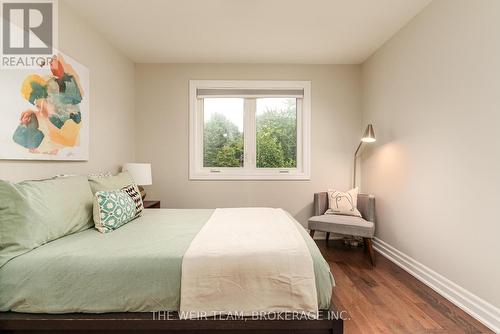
x=223, y=132
x=276, y=132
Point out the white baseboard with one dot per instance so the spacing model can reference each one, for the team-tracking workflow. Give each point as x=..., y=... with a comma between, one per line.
x=478, y=308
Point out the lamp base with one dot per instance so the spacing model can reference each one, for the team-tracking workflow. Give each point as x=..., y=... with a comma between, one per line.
x=142, y=191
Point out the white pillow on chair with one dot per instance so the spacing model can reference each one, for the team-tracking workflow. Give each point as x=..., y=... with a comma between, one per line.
x=343, y=203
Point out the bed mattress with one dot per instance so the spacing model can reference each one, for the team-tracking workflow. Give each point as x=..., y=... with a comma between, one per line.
x=136, y=268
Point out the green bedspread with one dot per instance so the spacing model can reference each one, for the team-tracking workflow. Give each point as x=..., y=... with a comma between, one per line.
x=136, y=268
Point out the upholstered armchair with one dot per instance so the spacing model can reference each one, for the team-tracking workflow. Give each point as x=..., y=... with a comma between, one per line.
x=347, y=225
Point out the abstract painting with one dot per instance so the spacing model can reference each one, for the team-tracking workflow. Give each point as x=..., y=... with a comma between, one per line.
x=44, y=114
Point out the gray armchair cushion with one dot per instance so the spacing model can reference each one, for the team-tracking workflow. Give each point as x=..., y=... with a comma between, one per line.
x=348, y=225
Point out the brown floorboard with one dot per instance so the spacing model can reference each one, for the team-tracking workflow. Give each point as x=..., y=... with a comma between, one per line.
x=386, y=299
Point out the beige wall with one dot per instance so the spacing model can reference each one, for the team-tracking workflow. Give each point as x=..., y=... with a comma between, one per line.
x=433, y=95
x=111, y=104
x=162, y=135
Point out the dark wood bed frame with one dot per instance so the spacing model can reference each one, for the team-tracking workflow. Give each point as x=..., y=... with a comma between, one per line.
x=11, y=322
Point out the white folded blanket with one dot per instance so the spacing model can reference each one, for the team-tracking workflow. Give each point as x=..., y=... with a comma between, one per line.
x=247, y=261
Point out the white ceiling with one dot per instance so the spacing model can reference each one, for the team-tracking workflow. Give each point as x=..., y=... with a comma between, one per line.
x=248, y=31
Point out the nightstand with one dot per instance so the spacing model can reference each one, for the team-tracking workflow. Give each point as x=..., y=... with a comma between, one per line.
x=151, y=204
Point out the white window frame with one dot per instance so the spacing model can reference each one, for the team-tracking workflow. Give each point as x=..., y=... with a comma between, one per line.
x=249, y=171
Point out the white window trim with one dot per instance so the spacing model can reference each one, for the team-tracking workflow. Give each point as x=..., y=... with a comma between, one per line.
x=196, y=169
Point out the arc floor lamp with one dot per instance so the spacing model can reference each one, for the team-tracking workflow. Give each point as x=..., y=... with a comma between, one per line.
x=368, y=137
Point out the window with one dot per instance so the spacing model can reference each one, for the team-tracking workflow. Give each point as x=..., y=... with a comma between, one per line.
x=249, y=130
x=223, y=132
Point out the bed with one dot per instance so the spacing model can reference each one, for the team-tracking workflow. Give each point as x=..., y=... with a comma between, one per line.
x=137, y=268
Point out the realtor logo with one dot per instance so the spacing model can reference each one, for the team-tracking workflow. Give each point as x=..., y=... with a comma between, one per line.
x=29, y=33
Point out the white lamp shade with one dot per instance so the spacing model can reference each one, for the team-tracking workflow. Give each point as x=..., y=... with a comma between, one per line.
x=141, y=173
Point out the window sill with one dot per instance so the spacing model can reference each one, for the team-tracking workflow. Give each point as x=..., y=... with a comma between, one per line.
x=249, y=177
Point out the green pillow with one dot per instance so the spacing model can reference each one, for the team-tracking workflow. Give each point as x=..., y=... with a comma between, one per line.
x=114, y=182
x=33, y=213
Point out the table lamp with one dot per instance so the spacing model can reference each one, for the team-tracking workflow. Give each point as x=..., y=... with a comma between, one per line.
x=141, y=173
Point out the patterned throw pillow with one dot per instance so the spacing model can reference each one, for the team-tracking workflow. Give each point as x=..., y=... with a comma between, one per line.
x=343, y=203
x=99, y=175
x=135, y=194
x=115, y=208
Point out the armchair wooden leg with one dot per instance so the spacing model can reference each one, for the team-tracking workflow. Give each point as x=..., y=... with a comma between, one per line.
x=311, y=232
x=369, y=247
x=327, y=236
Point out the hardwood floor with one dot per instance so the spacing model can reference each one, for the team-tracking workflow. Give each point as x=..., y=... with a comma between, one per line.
x=386, y=299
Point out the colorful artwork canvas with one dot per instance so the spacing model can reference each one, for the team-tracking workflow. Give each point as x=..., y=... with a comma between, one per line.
x=44, y=114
